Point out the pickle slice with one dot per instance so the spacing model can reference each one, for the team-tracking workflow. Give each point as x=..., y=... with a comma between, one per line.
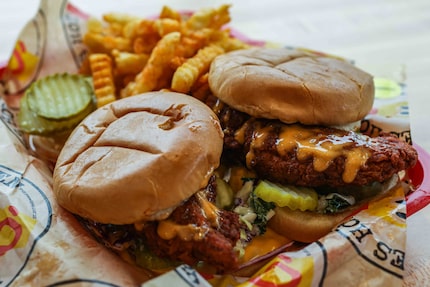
x=287, y=196
x=60, y=96
x=31, y=123
x=224, y=194
x=147, y=259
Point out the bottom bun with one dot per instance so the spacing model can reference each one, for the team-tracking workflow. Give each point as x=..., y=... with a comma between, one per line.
x=308, y=226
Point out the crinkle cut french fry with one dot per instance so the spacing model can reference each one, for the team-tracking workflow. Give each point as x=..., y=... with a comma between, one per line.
x=129, y=63
x=177, y=61
x=201, y=89
x=188, y=73
x=119, y=18
x=101, y=101
x=145, y=45
x=144, y=35
x=223, y=39
x=129, y=29
x=103, y=81
x=147, y=33
x=85, y=68
x=168, y=12
x=165, y=26
x=231, y=44
x=192, y=41
x=99, y=43
x=209, y=18
x=145, y=27
x=158, y=64
x=94, y=25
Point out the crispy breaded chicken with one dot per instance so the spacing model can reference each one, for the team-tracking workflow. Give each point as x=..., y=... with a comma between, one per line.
x=316, y=156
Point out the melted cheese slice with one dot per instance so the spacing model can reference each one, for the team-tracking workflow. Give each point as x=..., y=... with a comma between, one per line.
x=311, y=142
x=263, y=244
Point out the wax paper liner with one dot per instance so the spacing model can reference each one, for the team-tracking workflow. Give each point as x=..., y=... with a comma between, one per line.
x=41, y=244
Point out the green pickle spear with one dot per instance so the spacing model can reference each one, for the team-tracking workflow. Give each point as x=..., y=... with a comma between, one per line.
x=55, y=104
x=301, y=198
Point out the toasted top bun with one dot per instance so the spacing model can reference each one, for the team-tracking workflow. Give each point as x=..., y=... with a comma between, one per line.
x=292, y=86
x=138, y=158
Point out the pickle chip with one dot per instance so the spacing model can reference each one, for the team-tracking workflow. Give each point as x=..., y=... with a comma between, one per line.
x=287, y=196
x=30, y=120
x=60, y=96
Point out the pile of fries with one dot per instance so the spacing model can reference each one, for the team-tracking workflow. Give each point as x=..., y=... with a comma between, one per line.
x=131, y=55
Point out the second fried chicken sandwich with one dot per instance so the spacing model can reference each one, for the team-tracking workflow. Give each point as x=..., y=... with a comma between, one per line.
x=292, y=117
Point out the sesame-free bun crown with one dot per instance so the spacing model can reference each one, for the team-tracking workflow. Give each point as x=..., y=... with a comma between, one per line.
x=292, y=86
x=138, y=158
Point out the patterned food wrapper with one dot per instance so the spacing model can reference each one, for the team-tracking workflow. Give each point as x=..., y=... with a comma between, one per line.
x=41, y=244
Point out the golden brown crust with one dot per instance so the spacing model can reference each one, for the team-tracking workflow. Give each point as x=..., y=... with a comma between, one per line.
x=292, y=86
x=138, y=158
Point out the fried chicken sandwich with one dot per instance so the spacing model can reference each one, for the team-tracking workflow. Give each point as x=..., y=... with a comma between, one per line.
x=139, y=175
x=293, y=119
x=135, y=174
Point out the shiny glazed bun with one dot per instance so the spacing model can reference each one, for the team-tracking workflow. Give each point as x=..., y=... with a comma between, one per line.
x=138, y=158
x=292, y=86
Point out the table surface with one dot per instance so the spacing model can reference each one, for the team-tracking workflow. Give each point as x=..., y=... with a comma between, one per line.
x=380, y=35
